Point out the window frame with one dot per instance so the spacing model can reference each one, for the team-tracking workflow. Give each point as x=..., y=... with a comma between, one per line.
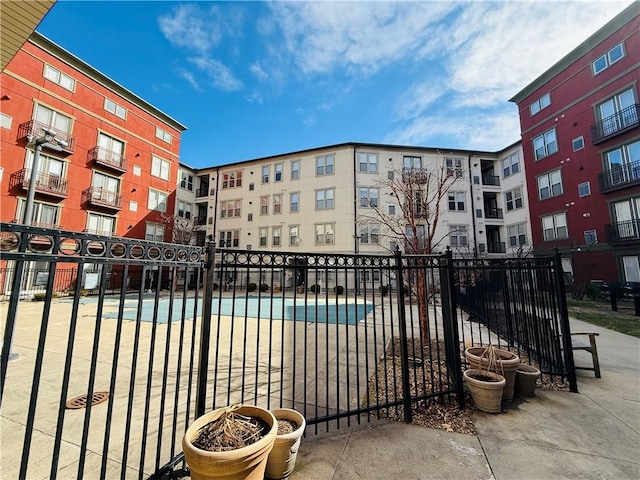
x=573, y=143
x=265, y=176
x=548, y=176
x=184, y=180
x=295, y=167
x=187, y=209
x=459, y=232
x=163, y=135
x=292, y=203
x=278, y=172
x=101, y=216
x=232, y=179
x=456, y=201
x=517, y=239
x=509, y=170
x=157, y=202
x=161, y=166
x=327, y=238
x=545, y=145
x=369, y=165
x=607, y=59
x=371, y=199
x=230, y=206
x=514, y=199
x=323, y=166
x=117, y=110
x=555, y=225
x=323, y=192
x=581, y=192
x=60, y=76
x=538, y=105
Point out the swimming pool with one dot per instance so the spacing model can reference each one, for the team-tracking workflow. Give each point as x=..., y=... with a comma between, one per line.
x=252, y=307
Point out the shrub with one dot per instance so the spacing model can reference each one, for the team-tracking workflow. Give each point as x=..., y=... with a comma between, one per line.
x=251, y=287
x=264, y=287
x=384, y=289
x=338, y=289
x=215, y=286
x=593, y=292
x=40, y=297
x=314, y=288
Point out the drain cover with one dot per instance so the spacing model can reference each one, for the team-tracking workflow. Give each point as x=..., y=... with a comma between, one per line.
x=81, y=400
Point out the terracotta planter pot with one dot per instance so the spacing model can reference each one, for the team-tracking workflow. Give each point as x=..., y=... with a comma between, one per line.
x=487, y=395
x=526, y=378
x=244, y=463
x=282, y=459
x=509, y=362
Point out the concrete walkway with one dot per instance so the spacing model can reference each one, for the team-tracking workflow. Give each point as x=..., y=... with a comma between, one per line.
x=594, y=434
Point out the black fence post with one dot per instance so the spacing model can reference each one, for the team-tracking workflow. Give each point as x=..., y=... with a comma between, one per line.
x=205, y=331
x=450, y=323
x=565, y=328
x=404, y=351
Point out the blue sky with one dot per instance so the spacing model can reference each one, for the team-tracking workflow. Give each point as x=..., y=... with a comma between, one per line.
x=253, y=79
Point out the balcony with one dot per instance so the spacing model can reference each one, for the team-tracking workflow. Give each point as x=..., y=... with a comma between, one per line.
x=497, y=247
x=627, y=231
x=620, y=176
x=415, y=175
x=493, y=180
x=620, y=122
x=101, y=197
x=495, y=213
x=202, y=192
x=31, y=130
x=107, y=158
x=46, y=183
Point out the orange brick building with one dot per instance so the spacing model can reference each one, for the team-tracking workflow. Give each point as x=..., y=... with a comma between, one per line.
x=109, y=160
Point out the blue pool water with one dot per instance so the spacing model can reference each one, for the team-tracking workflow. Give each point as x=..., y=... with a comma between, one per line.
x=253, y=307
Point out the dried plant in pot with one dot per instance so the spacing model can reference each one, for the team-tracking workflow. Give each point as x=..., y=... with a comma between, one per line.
x=282, y=459
x=230, y=443
x=506, y=364
x=485, y=385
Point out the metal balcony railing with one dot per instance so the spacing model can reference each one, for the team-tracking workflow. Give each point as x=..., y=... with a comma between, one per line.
x=497, y=247
x=33, y=130
x=46, y=183
x=493, y=213
x=200, y=220
x=102, y=197
x=619, y=122
x=202, y=192
x=493, y=180
x=415, y=175
x=107, y=158
x=627, y=231
x=619, y=176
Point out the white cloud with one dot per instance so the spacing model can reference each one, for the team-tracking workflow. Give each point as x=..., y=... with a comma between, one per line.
x=188, y=28
x=418, y=98
x=188, y=76
x=219, y=74
x=258, y=72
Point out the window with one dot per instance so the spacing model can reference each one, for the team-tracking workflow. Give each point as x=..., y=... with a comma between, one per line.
x=154, y=232
x=513, y=199
x=550, y=185
x=369, y=234
x=56, y=76
x=626, y=216
x=265, y=173
x=510, y=165
x=105, y=188
x=590, y=237
x=230, y=208
x=277, y=172
x=577, y=143
x=543, y=102
x=53, y=119
x=453, y=166
x=159, y=168
x=410, y=163
x=186, y=180
x=295, y=170
x=392, y=209
x=324, y=165
x=608, y=59
x=276, y=234
x=545, y=144
x=263, y=233
x=277, y=203
x=230, y=238
x=133, y=206
x=294, y=202
x=110, y=150
x=554, y=227
x=420, y=232
x=264, y=205
x=101, y=224
x=249, y=217
x=137, y=170
x=458, y=236
x=113, y=107
x=584, y=189
x=252, y=186
x=294, y=235
x=325, y=233
x=368, y=162
x=623, y=164
x=517, y=234
x=157, y=200
x=184, y=209
x=631, y=267
x=5, y=121
x=43, y=214
x=163, y=135
x=232, y=179
x=368, y=197
x=324, y=199
x=456, y=201
x=617, y=113
x=52, y=168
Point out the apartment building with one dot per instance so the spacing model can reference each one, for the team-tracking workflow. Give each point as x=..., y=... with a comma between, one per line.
x=581, y=144
x=107, y=159
x=349, y=198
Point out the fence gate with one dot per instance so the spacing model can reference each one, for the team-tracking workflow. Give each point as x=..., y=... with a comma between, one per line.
x=97, y=374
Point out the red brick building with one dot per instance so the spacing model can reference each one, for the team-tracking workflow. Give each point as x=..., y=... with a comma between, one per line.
x=109, y=160
x=581, y=140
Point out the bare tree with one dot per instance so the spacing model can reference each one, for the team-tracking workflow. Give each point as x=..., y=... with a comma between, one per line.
x=182, y=230
x=419, y=194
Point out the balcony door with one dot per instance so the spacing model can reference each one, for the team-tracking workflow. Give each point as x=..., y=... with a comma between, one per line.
x=44, y=215
x=50, y=171
x=105, y=188
x=51, y=118
x=111, y=150
x=627, y=217
x=612, y=115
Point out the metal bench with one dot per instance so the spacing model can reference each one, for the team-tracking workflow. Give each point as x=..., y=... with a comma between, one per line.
x=590, y=347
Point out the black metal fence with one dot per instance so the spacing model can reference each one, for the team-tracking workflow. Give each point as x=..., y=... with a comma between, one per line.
x=340, y=338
